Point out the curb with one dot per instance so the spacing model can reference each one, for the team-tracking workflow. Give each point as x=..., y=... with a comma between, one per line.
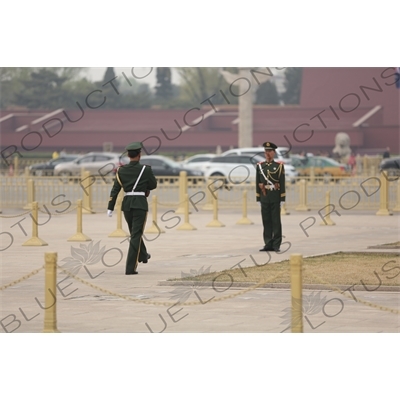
x=228, y=285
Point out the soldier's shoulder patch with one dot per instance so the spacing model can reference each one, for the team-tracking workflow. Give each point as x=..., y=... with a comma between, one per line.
x=279, y=161
x=260, y=162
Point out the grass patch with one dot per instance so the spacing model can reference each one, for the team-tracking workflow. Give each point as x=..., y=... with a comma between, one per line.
x=372, y=269
x=395, y=245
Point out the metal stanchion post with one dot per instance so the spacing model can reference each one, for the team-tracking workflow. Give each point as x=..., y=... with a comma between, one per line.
x=384, y=195
x=296, y=262
x=326, y=220
x=50, y=299
x=244, y=220
x=79, y=236
x=186, y=226
x=119, y=232
x=35, y=240
x=154, y=228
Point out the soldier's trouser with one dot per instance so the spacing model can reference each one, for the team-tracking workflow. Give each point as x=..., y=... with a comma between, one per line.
x=137, y=252
x=271, y=219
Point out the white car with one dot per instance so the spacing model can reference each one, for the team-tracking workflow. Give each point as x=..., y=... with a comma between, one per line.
x=197, y=161
x=233, y=168
x=97, y=163
x=281, y=153
x=241, y=168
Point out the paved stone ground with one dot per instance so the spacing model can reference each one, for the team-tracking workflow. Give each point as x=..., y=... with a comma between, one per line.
x=156, y=307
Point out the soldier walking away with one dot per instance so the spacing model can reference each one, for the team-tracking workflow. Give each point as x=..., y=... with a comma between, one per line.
x=136, y=180
x=270, y=193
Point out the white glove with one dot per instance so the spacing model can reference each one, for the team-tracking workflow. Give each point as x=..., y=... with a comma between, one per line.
x=282, y=203
x=109, y=213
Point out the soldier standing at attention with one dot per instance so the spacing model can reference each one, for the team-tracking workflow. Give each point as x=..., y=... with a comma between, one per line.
x=136, y=180
x=270, y=192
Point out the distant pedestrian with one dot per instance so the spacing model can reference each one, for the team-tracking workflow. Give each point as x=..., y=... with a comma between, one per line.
x=55, y=154
x=386, y=153
x=352, y=163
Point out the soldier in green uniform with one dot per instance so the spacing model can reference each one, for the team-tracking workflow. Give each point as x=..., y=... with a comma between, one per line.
x=270, y=192
x=136, y=180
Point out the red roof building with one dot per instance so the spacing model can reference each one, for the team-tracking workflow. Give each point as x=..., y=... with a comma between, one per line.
x=362, y=102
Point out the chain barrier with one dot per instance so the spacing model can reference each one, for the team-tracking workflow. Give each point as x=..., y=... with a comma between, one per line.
x=170, y=204
x=165, y=303
x=94, y=211
x=25, y=277
x=15, y=216
x=194, y=303
x=338, y=290
x=60, y=213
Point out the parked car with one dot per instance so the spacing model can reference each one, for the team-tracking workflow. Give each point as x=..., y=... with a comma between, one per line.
x=392, y=166
x=233, y=168
x=323, y=166
x=281, y=153
x=101, y=163
x=164, y=166
x=197, y=161
x=47, y=168
x=241, y=168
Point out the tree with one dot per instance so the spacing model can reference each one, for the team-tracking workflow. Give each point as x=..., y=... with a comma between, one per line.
x=292, y=85
x=267, y=94
x=164, y=86
x=11, y=83
x=42, y=89
x=199, y=84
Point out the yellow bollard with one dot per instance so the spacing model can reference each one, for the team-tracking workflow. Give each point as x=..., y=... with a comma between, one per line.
x=303, y=196
x=154, y=228
x=186, y=226
x=119, y=232
x=244, y=220
x=312, y=175
x=209, y=196
x=31, y=194
x=384, y=195
x=215, y=223
x=296, y=262
x=183, y=187
x=50, y=299
x=397, y=207
x=327, y=219
x=16, y=165
x=35, y=240
x=79, y=236
x=86, y=183
x=283, y=210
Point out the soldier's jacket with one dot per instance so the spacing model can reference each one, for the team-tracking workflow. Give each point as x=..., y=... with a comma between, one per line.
x=125, y=179
x=275, y=172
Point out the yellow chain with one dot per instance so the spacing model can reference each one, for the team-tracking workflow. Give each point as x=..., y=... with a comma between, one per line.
x=61, y=213
x=34, y=272
x=338, y=290
x=15, y=216
x=158, y=303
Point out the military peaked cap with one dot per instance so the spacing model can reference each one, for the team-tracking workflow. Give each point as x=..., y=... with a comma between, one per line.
x=134, y=146
x=269, y=146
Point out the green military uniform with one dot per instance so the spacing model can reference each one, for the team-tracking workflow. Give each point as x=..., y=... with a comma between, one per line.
x=134, y=205
x=270, y=191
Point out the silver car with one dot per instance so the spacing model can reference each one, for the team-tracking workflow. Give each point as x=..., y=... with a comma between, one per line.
x=101, y=164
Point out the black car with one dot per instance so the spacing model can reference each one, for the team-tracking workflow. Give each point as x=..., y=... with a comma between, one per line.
x=47, y=168
x=164, y=166
x=392, y=166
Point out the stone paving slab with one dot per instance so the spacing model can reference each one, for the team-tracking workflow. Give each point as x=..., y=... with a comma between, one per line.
x=81, y=308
